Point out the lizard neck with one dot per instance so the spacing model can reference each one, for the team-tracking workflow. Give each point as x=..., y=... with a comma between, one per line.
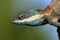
x=48, y=11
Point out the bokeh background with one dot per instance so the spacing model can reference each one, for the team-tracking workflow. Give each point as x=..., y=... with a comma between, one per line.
x=9, y=31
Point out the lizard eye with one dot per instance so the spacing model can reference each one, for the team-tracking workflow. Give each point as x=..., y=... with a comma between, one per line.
x=21, y=17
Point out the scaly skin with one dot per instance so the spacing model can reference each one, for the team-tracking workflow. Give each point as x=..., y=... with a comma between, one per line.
x=31, y=17
x=37, y=17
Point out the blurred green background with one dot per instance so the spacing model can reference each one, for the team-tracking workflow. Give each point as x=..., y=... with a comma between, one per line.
x=9, y=31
